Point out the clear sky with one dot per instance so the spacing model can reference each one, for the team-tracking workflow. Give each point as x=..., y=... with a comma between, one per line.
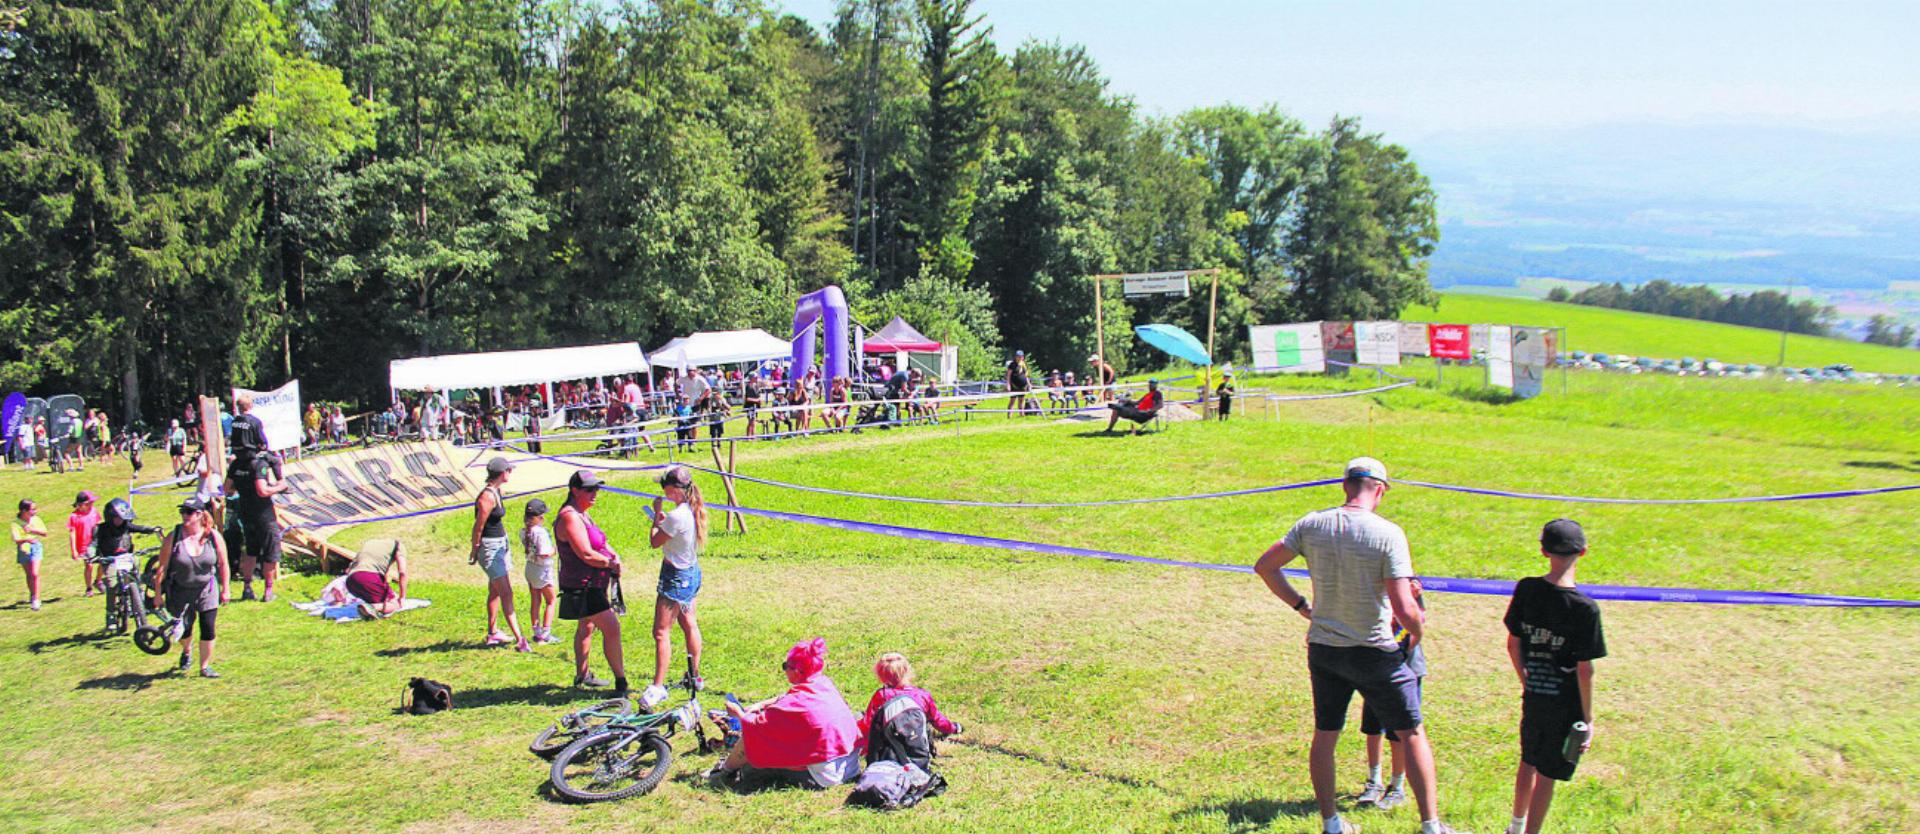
x=1415, y=68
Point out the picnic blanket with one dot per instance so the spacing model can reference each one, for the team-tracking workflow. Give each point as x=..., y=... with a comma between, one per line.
x=334, y=603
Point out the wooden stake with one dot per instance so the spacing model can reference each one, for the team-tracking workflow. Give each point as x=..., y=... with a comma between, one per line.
x=1099, y=323
x=726, y=482
x=1213, y=309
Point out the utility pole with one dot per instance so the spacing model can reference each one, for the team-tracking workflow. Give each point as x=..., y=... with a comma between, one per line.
x=1786, y=317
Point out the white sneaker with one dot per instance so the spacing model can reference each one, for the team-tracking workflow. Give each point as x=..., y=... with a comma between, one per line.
x=1371, y=794
x=653, y=697
x=36, y=605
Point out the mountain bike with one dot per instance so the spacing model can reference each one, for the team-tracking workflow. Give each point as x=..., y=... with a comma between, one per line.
x=128, y=602
x=616, y=755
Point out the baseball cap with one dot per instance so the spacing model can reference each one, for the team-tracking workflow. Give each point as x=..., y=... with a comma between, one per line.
x=499, y=466
x=584, y=479
x=1563, y=537
x=536, y=507
x=85, y=496
x=678, y=476
x=193, y=505
x=1367, y=468
x=1019, y=353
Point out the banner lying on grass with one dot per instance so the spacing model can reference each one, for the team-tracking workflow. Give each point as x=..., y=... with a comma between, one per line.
x=383, y=480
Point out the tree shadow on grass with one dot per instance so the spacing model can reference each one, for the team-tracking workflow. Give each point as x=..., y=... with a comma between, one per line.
x=92, y=638
x=1245, y=815
x=1060, y=765
x=125, y=681
x=1885, y=464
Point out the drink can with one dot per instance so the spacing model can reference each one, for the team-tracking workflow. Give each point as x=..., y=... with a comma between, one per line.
x=1577, y=740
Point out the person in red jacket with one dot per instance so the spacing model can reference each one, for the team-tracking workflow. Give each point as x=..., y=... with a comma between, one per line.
x=896, y=679
x=805, y=738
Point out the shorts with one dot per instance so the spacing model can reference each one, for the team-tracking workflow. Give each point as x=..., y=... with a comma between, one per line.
x=1545, y=724
x=1381, y=676
x=28, y=553
x=750, y=779
x=176, y=451
x=1226, y=405
x=581, y=603
x=679, y=585
x=541, y=574
x=1370, y=725
x=496, y=558
x=369, y=586
x=263, y=538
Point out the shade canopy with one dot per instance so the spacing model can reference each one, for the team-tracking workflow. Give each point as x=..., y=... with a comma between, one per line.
x=515, y=367
x=899, y=336
x=1175, y=342
x=724, y=347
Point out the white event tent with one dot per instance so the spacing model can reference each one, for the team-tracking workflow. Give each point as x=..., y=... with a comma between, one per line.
x=515, y=367
x=725, y=347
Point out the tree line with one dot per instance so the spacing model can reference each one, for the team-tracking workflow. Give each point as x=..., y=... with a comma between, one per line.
x=197, y=193
x=1765, y=308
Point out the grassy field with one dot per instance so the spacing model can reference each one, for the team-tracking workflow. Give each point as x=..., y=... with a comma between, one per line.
x=1097, y=696
x=1597, y=329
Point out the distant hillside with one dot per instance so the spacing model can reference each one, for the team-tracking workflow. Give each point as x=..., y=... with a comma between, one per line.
x=1595, y=329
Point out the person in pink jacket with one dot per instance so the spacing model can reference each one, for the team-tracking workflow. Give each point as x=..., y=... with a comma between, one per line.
x=805, y=738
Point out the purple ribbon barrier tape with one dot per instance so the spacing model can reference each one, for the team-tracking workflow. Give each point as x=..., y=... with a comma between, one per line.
x=1490, y=587
x=1018, y=504
x=1578, y=499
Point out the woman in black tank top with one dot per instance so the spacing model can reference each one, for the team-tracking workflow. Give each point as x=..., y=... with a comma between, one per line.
x=491, y=552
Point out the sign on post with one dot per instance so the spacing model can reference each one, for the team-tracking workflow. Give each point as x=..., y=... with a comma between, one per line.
x=1143, y=284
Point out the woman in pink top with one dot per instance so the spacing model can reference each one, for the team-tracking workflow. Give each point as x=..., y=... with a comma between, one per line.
x=804, y=738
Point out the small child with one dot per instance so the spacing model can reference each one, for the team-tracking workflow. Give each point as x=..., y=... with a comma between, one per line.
x=28, y=530
x=1225, y=393
x=896, y=680
x=537, y=541
x=1380, y=794
x=1554, y=635
x=1056, y=392
x=80, y=526
x=1072, y=394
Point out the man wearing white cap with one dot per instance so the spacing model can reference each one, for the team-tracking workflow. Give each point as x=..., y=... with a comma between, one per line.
x=1361, y=568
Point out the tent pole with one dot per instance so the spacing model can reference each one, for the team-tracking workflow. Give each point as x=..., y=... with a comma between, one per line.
x=1099, y=324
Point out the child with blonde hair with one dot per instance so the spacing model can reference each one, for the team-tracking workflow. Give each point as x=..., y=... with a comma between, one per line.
x=896, y=681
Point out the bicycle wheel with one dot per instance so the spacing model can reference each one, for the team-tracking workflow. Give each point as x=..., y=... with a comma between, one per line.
x=565, y=729
x=612, y=764
x=153, y=641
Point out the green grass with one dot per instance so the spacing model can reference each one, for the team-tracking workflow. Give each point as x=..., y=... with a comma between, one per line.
x=1600, y=330
x=1098, y=696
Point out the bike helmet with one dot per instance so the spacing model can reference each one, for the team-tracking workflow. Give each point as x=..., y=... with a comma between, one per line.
x=119, y=511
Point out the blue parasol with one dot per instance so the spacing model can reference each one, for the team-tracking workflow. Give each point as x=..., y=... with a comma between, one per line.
x=1176, y=342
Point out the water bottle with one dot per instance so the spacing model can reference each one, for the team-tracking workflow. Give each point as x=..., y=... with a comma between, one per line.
x=1577, y=741
x=733, y=724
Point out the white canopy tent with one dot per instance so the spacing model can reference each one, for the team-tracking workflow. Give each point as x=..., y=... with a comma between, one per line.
x=515, y=367
x=725, y=347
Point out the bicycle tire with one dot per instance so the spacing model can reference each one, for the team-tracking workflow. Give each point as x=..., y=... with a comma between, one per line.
x=585, y=761
x=153, y=641
x=567, y=728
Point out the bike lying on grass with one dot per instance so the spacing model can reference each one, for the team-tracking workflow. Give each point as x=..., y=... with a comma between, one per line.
x=128, y=602
x=608, y=751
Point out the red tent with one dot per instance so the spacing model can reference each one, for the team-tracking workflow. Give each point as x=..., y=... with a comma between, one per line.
x=899, y=336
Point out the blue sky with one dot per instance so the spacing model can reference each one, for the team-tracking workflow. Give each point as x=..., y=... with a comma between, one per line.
x=1416, y=68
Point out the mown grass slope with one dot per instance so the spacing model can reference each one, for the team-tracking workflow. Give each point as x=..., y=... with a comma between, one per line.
x=1597, y=329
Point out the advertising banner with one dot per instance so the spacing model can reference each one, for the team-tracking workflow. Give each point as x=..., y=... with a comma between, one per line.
x=12, y=413
x=1452, y=341
x=279, y=410
x=382, y=480
x=1499, y=356
x=1478, y=342
x=1533, y=352
x=1377, y=342
x=1287, y=348
x=1416, y=338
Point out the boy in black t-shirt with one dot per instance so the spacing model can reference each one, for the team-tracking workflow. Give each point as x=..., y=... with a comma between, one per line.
x=1554, y=635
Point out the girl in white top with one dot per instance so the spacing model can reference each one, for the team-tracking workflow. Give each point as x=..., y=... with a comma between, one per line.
x=679, y=533
x=537, y=541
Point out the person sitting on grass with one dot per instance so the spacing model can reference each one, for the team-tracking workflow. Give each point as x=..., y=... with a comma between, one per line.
x=896, y=682
x=1140, y=411
x=805, y=738
x=1553, y=638
x=367, y=577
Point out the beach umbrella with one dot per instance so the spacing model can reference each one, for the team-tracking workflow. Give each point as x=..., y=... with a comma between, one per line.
x=1175, y=342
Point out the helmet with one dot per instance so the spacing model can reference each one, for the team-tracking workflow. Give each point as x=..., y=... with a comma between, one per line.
x=119, y=511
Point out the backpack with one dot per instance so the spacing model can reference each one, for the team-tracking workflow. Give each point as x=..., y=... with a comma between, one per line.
x=899, y=735
x=425, y=697
x=892, y=786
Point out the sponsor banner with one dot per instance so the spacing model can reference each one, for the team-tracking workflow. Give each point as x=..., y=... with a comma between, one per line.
x=1376, y=342
x=382, y=480
x=1337, y=335
x=1142, y=284
x=279, y=411
x=1451, y=341
x=1533, y=353
x=1416, y=339
x=1477, y=339
x=12, y=413
x=1287, y=348
x=1499, y=355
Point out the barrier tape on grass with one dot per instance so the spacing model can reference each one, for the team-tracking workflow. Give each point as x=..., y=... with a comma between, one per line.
x=1581, y=499
x=150, y=489
x=1488, y=587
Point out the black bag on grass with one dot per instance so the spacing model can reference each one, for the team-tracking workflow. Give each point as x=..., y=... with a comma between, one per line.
x=426, y=697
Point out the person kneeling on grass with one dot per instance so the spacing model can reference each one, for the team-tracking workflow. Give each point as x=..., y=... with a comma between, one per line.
x=1553, y=637
x=367, y=577
x=805, y=738
x=1140, y=411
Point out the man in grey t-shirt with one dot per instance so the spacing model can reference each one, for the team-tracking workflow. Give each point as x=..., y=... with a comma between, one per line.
x=1361, y=568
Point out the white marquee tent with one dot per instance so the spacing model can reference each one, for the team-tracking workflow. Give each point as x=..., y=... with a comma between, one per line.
x=725, y=347
x=515, y=367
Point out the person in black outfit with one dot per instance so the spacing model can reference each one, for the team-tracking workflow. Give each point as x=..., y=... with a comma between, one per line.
x=1018, y=383
x=1554, y=635
x=1225, y=393
x=254, y=486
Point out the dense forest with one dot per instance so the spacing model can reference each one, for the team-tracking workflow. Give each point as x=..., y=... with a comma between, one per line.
x=1766, y=308
x=197, y=193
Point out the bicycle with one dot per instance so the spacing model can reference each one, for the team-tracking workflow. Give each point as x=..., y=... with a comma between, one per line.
x=616, y=753
x=128, y=603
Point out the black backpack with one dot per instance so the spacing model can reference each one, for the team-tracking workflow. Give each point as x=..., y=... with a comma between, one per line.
x=426, y=697
x=899, y=734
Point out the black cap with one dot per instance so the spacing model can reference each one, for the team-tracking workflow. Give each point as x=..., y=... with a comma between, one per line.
x=193, y=505
x=536, y=507
x=1563, y=537
x=584, y=479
